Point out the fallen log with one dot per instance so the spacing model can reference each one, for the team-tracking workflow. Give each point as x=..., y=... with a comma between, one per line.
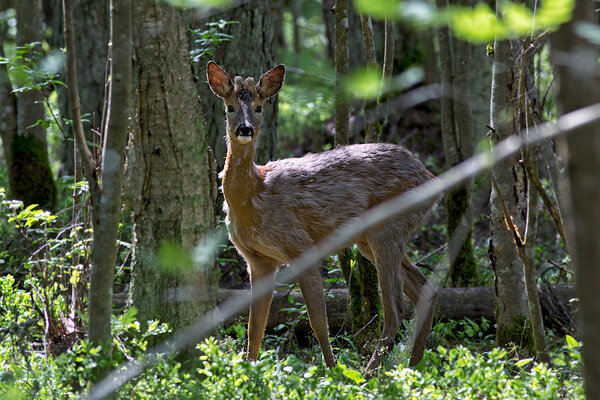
x=453, y=303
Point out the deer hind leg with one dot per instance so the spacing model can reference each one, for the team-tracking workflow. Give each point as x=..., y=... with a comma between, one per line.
x=260, y=270
x=311, y=285
x=386, y=255
x=424, y=295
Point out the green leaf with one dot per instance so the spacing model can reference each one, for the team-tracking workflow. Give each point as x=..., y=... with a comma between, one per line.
x=523, y=362
x=379, y=9
x=364, y=83
x=571, y=342
x=354, y=376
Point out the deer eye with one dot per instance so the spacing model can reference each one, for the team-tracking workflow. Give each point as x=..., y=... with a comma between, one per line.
x=258, y=109
x=230, y=109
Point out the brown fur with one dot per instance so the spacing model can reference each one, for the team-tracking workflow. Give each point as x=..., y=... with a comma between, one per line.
x=276, y=212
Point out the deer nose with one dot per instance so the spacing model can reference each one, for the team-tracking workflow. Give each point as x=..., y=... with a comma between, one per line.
x=244, y=130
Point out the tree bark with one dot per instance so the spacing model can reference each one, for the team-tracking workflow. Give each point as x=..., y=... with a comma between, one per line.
x=579, y=85
x=371, y=135
x=30, y=175
x=511, y=301
x=168, y=176
x=342, y=107
x=250, y=52
x=458, y=142
x=8, y=111
x=106, y=208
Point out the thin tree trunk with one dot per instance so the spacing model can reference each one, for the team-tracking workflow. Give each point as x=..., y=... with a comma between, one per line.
x=107, y=210
x=8, y=111
x=511, y=300
x=29, y=167
x=326, y=8
x=366, y=24
x=577, y=88
x=342, y=107
x=387, y=71
x=458, y=142
x=168, y=174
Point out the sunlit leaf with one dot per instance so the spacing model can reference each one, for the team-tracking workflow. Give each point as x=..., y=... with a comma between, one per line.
x=354, y=376
x=523, y=362
x=517, y=18
x=553, y=13
x=364, y=83
x=571, y=341
x=379, y=9
x=478, y=24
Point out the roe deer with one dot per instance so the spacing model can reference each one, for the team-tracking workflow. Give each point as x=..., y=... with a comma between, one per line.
x=279, y=210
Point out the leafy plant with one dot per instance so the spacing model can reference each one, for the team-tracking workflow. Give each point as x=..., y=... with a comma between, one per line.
x=207, y=39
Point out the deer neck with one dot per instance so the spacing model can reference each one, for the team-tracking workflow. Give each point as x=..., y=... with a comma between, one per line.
x=241, y=180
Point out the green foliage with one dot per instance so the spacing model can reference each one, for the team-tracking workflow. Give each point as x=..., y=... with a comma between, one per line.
x=479, y=23
x=207, y=39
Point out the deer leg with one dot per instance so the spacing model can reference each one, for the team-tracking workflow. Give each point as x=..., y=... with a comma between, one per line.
x=259, y=308
x=386, y=261
x=424, y=295
x=311, y=285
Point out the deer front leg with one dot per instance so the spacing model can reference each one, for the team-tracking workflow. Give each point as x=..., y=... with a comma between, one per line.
x=311, y=285
x=260, y=271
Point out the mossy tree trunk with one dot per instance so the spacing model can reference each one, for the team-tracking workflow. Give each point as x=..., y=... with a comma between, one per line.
x=168, y=176
x=458, y=142
x=250, y=52
x=30, y=177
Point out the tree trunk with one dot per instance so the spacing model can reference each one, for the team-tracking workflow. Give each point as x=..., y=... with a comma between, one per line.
x=579, y=87
x=106, y=209
x=30, y=175
x=342, y=107
x=168, y=175
x=91, y=46
x=250, y=52
x=458, y=140
x=8, y=111
x=513, y=325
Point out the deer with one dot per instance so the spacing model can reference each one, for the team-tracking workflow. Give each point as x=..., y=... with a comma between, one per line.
x=275, y=212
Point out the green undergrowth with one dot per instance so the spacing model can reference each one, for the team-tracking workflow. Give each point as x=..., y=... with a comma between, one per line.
x=221, y=372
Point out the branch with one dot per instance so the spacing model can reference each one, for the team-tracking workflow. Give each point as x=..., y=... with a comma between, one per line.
x=548, y=203
x=348, y=231
x=89, y=166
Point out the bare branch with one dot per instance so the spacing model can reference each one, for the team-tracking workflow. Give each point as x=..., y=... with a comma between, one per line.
x=89, y=166
x=350, y=230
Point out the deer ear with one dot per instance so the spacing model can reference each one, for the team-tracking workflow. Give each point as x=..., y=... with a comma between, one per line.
x=271, y=81
x=218, y=80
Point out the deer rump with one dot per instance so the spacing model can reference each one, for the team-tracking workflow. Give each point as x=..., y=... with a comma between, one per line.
x=302, y=200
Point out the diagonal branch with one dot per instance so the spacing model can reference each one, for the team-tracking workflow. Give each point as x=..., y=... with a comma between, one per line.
x=348, y=231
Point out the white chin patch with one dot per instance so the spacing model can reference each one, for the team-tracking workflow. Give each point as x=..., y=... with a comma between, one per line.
x=244, y=139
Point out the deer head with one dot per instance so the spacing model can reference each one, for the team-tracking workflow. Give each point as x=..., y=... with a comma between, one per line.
x=243, y=99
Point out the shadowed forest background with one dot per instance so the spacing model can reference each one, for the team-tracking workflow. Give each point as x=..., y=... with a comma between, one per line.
x=116, y=274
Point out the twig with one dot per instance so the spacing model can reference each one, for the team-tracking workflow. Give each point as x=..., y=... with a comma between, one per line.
x=442, y=247
x=559, y=267
x=554, y=213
